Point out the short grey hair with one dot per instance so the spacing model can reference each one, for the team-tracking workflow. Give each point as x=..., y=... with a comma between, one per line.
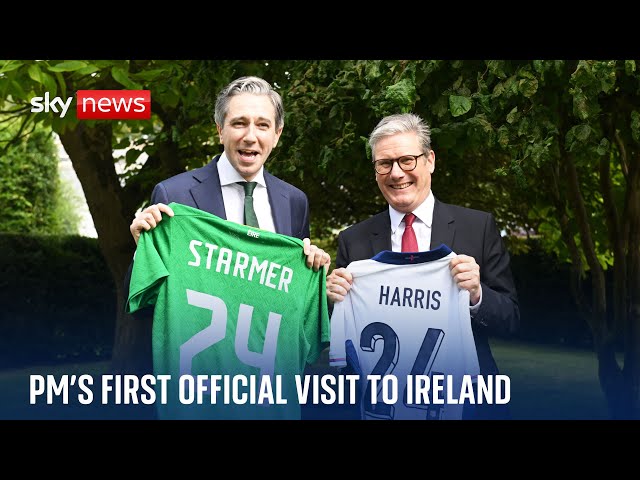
x=253, y=85
x=401, y=123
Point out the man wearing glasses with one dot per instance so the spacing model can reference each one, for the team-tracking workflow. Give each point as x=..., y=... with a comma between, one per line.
x=416, y=222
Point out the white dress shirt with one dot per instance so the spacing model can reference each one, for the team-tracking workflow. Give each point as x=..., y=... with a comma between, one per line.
x=422, y=227
x=233, y=195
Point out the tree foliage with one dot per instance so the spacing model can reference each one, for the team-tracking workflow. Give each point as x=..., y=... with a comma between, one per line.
x=31, y=195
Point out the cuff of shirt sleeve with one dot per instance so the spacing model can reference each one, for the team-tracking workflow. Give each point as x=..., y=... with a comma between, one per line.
x=473, y=309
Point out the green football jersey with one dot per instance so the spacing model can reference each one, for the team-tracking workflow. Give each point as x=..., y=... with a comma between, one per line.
x=237, y=316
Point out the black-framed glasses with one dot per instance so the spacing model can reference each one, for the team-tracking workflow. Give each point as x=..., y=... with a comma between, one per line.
x=406, y=163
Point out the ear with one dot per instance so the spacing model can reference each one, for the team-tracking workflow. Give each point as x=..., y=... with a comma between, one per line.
x=277, y=137
x=431, y=161
x=219, y=129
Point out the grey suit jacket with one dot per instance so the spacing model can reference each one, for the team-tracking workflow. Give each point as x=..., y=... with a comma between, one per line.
x=465, y=231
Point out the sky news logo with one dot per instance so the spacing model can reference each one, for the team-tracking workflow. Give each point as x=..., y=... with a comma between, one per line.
x=99, y=105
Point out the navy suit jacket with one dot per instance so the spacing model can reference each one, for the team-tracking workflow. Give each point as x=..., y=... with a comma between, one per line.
x=200, y=188
x=465, y=231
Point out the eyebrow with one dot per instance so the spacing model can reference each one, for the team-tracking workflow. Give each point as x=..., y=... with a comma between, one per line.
x=244, y=117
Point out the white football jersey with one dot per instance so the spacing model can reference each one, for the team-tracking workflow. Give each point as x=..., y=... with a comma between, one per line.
x=405, y=316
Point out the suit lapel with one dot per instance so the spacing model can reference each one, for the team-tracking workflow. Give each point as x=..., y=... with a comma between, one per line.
x=380, y=233
x=280, y=206
x=207, y=195
x=442, y=226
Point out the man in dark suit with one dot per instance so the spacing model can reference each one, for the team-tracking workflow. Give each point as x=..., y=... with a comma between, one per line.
x=249, y=118
x=403, y=162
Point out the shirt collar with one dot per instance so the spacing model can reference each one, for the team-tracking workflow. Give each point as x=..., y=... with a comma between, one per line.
x=424, y=212
x=229, y=175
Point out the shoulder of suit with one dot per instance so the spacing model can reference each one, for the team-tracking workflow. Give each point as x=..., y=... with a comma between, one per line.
x=457, y=210
x=366, y=225
x=200, y=174
x=281, y=184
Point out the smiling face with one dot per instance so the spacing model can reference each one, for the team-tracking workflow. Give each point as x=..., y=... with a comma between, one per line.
x=249, y=133
x=404, y=191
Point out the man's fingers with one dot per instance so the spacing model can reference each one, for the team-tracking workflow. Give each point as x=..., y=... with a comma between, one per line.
x=165, y=208
x=318, y=259
x=157, y=210
x=337, y=289
x=342, y=273
x=321, y=258
x=338, y=284
x=150, y=219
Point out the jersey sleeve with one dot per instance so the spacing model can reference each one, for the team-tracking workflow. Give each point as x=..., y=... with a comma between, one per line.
x=337, y=349
x=149, y=270
x=316, y=328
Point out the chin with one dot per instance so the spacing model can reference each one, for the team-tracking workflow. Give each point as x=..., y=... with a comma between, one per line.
x=400, y=201
x=249, y=169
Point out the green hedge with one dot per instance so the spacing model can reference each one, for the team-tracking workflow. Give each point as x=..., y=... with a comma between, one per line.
x=547, y=309
x=58, y=300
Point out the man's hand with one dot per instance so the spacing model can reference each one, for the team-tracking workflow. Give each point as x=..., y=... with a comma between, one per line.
x=148, y=219
x=466, y=273
x=338, y=284
x=316, y=257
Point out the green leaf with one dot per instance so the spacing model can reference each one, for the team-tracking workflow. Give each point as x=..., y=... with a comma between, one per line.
x=629, y=66
x=68, y=66
x=50, y=84
x=459, y=105
x=603, y=147
x=582, y=132
x=372, y=70
x=503, y=136
x=526, y=74
x=511, y=86
x=44, y=79
x=169, y=98
x=149, y=75
x=88, y=70
x=402, y=94
x=580, y=105
x=122, y=77
x=15, y=89
x=35, y=73
x=496, y=67
x=62, y=84
x=9, y=65
x=538, y=66
x=528, y=87
x=132, y=155
x=513, y=115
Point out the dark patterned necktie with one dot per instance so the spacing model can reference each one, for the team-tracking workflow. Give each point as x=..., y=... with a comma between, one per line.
x=250, y=218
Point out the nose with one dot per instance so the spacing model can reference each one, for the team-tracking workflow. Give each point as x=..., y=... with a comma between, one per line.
x=250, y=134
x=396, y=171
